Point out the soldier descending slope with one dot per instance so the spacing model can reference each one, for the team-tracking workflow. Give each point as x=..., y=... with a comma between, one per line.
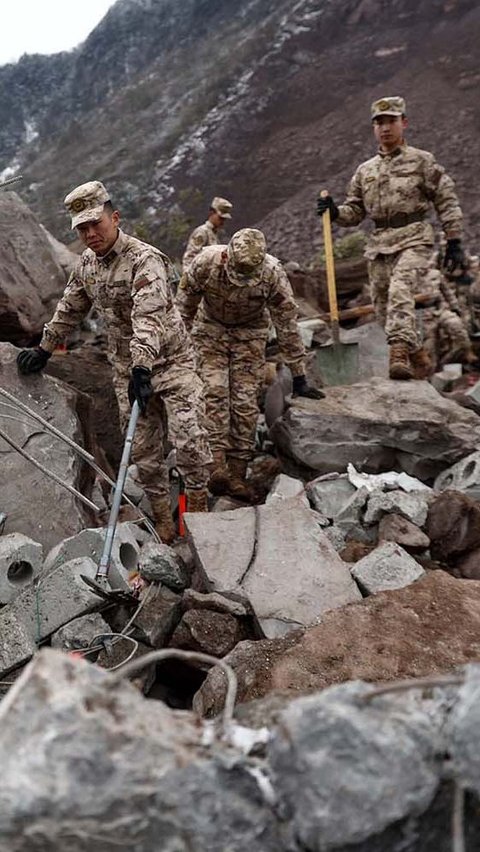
x=396, y=188
x=228, y=294
x=207, y=234
x=148, y=347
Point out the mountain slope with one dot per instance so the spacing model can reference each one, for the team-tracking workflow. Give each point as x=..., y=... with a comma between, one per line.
x=264, y=102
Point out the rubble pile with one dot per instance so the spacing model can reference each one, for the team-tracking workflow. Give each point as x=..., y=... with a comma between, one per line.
x=362, y=566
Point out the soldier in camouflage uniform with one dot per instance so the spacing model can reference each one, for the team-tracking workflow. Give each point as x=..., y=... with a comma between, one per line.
x=440, y=324
x=150, y=352
x=207, y=234
x=396, y=189
x=475, y=292
x=227, y=297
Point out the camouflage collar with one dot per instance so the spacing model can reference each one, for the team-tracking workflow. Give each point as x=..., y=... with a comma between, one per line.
x=395, y=153
x=107, y=259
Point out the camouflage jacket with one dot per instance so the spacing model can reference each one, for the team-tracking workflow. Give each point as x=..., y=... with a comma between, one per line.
x=129, y=289
x=407, y=181
x=204, y=235
x=207, y=296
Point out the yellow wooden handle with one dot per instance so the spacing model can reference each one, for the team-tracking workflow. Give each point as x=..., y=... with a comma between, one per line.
x=328, y=242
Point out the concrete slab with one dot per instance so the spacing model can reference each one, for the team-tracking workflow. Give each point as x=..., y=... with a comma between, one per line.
x=389, y=566
x=89, y=542
x=285, y=487
x=41, y=609
x=278, y=555
x=463, y=476
x=20, y=562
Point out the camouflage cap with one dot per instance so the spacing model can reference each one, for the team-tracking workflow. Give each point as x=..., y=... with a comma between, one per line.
x=245, y=256
x=85, y=202
x=388, y=106
x=222, y=207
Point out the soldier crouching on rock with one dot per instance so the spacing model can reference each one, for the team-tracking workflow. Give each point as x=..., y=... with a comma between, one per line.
x=396, y=189
x=150, y=352
x=227, y=296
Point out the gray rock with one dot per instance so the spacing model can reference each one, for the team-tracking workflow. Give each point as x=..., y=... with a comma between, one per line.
x=285, y=487
x=137, y=772
x=282, y=561
x=329, y=496
x=463, y=476
x=31, y=280
x=159, y=563
x=44, y=511
x=351, y=512
x=337, y=536
x=395, y=528
x=412, y=505
x=78, y=634
x=389, y=566
x=159, y=617
x=236, y=604
x=214, y=633
x=378, y=425
x=20, y=562
x=40, y=610
x=373, y=351
x=463, y=731
x=346, y=769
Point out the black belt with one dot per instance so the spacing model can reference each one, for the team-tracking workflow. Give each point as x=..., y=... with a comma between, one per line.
x=430, y=303
x=399, y=220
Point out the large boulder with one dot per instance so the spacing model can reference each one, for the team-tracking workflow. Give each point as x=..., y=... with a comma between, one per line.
x=36, y=505
x=428, y=627
x=377, y=425
x=31, y=278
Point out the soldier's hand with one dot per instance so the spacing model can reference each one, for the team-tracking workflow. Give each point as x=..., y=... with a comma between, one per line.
x=302, y=388
x=454, y=256
x=32, y=360
x=326, y=202
x=140, y=387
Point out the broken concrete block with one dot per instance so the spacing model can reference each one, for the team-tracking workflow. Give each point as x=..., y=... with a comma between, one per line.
x=395, y=528
x=412, y=506
x=281, y=560
x=158, y=563
x=389, y=566
x=89, y=542
x=41, y=609
x=351, y=511
x=20, y=562
x=214, y=633
x=463, y=476
x=63, y=732
x=285, y=487
x=79, y=633
x=157, y=620
x=330, y=742
x=328, y=496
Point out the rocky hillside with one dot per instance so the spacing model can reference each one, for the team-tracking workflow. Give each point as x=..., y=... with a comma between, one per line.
x=263, y=101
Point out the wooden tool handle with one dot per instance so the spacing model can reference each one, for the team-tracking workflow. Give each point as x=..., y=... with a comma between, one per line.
x=330, y=267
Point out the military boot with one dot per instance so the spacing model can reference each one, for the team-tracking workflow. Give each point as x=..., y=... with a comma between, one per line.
x=218, y=483
x=162, y=515
x=421, y=363
x=197, y=499
x=237, y=486
x=400, y=366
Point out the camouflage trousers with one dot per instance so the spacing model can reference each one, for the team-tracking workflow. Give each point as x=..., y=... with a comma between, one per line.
x=444, y=334
x=176, y=412
x=231, y=363
x=394, y=280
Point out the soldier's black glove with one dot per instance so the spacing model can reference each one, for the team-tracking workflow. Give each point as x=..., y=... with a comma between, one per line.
x=32, y=360
x=140, y=387
x=327, y=203
x=302, y=388
x=454, y=256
